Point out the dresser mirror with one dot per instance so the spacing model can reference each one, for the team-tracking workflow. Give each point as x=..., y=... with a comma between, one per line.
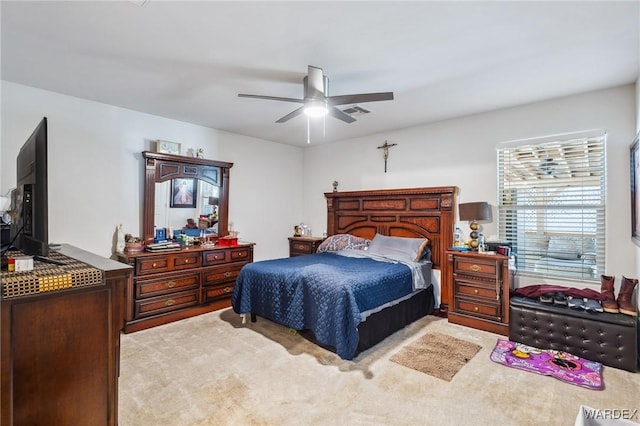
x=179, y=188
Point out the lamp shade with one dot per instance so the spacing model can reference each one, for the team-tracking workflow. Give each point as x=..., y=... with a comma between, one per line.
x=475, y=211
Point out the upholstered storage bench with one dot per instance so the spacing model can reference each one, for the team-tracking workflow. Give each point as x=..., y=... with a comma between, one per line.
x=611, y=339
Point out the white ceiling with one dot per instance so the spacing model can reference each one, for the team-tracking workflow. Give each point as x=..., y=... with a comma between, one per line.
x=189, y=60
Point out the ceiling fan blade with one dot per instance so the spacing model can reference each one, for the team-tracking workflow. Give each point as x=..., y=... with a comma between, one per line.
x=271, y=98
x=315, y=82
x=359, y=98
x=335, y=112
x=292, y=114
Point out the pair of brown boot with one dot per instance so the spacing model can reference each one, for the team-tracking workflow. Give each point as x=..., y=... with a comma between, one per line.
x=624, y=303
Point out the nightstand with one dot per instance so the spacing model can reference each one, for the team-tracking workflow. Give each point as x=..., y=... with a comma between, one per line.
x=299, y=246
x=480, y=285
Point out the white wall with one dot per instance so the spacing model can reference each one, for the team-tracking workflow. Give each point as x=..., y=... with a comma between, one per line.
x=461, y=152
x=96, y=169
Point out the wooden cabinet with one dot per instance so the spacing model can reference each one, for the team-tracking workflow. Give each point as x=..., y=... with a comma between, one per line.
x=174, y=285
x=61, y=348
x=299, y=246
x=480, y=285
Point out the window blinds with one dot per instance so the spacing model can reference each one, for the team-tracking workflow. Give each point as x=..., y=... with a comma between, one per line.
x=551, y=204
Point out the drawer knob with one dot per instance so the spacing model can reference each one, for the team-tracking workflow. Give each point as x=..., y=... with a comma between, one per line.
x=227, y=289
x=153, y=264
x=475, y=291
x=475, y=308
x=227, y=274
x=474, y=268
x=186, y=261
x=171, y=284
x=170, y=302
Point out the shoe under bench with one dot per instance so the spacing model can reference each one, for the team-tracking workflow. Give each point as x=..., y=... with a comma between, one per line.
x=611, y=339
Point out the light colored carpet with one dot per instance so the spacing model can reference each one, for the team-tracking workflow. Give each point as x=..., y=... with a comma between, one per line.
x=213, y=370
x=438, y=355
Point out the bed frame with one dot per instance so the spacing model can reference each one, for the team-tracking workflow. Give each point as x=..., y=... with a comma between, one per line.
x=410, y=212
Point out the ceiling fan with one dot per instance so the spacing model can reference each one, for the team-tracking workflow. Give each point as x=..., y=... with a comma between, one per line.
x=318, y=103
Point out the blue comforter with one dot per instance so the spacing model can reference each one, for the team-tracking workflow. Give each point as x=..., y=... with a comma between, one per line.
x=325, y=293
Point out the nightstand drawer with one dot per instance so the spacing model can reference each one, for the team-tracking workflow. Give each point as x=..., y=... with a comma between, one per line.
x=475, y=266
x=299, y=246
x=476, y=289
x=302, y=247
x=480, y=309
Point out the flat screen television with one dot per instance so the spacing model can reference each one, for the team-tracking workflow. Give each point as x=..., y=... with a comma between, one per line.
x=30, y=226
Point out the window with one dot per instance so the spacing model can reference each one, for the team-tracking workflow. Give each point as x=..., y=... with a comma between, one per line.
x=551, y=204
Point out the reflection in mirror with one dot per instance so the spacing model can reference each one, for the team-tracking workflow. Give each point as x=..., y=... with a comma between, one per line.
x=176, y=218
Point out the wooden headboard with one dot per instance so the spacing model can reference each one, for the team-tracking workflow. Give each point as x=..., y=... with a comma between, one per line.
x=409, y=212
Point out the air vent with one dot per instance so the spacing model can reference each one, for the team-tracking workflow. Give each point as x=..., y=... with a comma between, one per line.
x=356, y=111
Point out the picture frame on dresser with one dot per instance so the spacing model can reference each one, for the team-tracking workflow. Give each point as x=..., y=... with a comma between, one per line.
x=635, y=186
x=184, y=193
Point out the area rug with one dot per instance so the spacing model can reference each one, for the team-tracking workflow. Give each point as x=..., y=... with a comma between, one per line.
x=437, y=355
x=561, y=365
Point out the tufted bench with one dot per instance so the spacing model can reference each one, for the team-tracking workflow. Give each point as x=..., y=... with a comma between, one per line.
x=611, y=339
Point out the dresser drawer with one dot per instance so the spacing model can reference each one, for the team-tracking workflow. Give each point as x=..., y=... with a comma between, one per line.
x=215, y=257
x=168, y=263
x=476, y=289
x=167, y=284
x=479, y=308
x=223, y=291
x=220, y=274
x=241, y=254
x=163, y=304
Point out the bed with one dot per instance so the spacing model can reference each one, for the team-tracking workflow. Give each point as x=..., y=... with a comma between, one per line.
x=349, y=300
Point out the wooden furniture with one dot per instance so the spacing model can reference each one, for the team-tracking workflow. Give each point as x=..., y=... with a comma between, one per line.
x=299, y=246
x=480, y=285
x=176, y=284
x=410, y=212
x=60, y=340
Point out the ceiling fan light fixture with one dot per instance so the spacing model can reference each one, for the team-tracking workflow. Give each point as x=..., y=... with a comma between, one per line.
x=316, y=109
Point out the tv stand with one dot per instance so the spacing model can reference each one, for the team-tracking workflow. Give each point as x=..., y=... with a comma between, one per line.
x=60, y=348
x=45, y=259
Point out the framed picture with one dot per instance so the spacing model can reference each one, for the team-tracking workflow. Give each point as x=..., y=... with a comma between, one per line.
x=635, y=187
x=183, y=193
x=167, y=147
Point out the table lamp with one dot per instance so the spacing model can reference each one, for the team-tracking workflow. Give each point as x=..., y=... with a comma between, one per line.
x=473, y=212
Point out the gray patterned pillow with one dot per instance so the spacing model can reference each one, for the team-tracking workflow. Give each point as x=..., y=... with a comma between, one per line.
x=399, y=248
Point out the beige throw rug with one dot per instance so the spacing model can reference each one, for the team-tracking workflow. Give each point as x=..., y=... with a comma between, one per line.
x=437, y=355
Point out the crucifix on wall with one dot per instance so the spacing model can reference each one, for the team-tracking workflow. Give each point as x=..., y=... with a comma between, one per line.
x=385, y=151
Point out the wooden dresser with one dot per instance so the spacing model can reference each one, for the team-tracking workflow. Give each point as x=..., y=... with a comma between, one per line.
x=173, y=285
x=60, y=340
x=299, y=246
x=480, y=285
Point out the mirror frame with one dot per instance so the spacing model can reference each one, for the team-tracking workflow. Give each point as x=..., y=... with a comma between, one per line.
x=163, y=167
